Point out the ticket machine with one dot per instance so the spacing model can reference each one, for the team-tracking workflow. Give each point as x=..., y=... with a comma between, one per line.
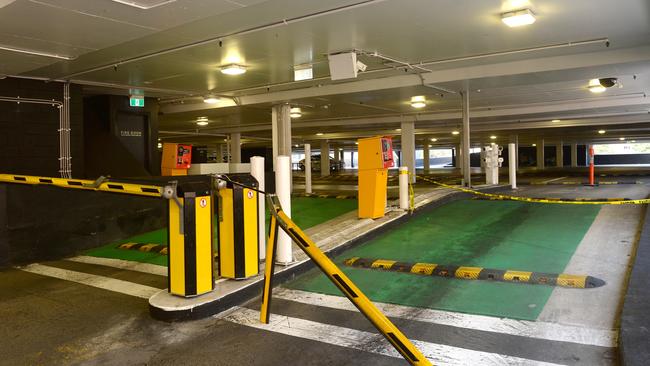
x=176, y=159
x=375, y=157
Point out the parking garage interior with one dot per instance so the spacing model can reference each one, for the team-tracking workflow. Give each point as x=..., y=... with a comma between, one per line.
x=341, y=182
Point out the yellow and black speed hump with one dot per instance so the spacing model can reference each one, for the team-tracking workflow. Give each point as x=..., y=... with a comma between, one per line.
x=280, y=220
x=238, y=227
x=191, y=255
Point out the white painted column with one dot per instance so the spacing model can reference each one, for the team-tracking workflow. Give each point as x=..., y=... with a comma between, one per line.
x=512, y=164
x=426, y=158
x=540, y=154
x=324, y=158
x=459, y=158
x=281, y=131
x=408, y=147
x=559, y=154
x=574, y=155
x=222, y=152
x=257, y=171
x=404, y=188
x=284, y=253
x=467, y=172
x=235, y=147
x=514, y=139
x=307, y=168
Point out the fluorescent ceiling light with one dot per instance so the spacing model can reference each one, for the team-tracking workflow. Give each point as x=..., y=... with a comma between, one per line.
x=493, y=137
x=201, y=119
x=319, y=134
x=455, y=132
x=534, y=145
x=518, y=18
x=233, y=69
x=144, y=4
x=398, y=129
x=556, y=120
x=303, y=72
x=210, y=100
x=602, y=132
x=36, y=53
x=418, y=101
x=622, y=138
x=202, y=123
x=295, y=112
x=434, y=139
x=595, y=87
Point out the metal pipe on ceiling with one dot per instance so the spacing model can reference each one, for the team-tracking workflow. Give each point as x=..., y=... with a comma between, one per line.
x=221, y=37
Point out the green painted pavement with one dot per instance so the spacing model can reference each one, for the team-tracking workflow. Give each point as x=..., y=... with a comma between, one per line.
x=493, y=234
x=306, y=211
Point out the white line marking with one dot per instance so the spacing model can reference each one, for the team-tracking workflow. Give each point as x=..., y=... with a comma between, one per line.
x=522, y=328
x=552, y=180
x=105, y=283
x=122, y=264
x=372, y=342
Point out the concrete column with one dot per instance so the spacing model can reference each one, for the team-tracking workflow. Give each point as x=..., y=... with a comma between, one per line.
x=280, y=131
x=574, y=155
x=559, y=155
x=222, y=152
x=512, y=162
x=482, y=156
x=324, y=158
x=235, y=147
x=540, y=154
x=514, y=139
x=307, y=168
x=467, y=173
x=408, y=147
x=459, y=157
x=426, y=158
x=337, y=156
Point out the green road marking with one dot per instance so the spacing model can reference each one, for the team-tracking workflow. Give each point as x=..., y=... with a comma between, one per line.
x=307, y=211
x=491, y=234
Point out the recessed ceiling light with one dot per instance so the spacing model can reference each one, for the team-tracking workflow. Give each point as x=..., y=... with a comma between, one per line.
x=233, y=69
x=202, y=123
x=455, y=132
x=622, y=138
x=296, y=145
x=534, y=145
x=295, y=113
x=493, y=137
x=210, y=99
x=518, y=18
x=319, y=134
x=434, y=139
x=602, y=132
x=595, y=87
x=418, y=101
x=144, y=4
x=556, y=120
x=633, y=141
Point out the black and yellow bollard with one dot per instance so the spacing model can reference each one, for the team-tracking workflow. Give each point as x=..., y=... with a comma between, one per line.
x=238, y=227
x=191, y=253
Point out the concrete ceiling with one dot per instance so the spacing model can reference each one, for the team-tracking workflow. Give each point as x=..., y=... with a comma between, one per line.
x=530, y=74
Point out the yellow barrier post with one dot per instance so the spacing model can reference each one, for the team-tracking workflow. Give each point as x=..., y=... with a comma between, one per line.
x=402, y=344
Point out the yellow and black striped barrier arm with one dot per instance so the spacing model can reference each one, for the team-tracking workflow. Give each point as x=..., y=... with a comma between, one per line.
x=505, y=197
x=102, y=184
x=477, y=273
x=279, y=219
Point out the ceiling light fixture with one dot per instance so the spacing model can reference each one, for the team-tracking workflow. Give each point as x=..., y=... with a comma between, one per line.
x=418, y=101
x=434, y=139
x=201, y=119
x=493, y=137
x=633, y=141
x=144, y=5
x=455, y=132
x=319, y=134
x=398, y=130
x=202, y=123
x=595, y=87
x=295, y=113
x=303, y=72
x=233, y=69
x=621, y=138
x=518, y=18
x=534, y=145
x=601, y=132
x=556, y=120
x=211, y=99
x=36, y=53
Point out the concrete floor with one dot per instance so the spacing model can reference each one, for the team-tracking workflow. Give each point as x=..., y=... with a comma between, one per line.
x=50, y=321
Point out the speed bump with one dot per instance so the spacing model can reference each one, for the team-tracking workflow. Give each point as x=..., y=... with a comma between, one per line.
x=477, y=273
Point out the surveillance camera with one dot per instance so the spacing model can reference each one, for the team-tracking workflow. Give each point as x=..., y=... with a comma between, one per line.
x=361, y=66
x=608, y=82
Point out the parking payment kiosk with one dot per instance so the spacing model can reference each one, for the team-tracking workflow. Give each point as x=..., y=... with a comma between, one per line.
x=375, y=157
x=176, y=159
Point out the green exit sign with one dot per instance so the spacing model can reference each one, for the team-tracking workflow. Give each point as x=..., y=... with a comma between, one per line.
x=136, y=101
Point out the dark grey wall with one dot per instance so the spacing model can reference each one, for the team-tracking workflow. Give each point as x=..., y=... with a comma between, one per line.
x=622, y=159
x=29, y=132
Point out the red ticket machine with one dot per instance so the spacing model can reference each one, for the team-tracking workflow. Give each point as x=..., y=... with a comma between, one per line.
x=176, y=159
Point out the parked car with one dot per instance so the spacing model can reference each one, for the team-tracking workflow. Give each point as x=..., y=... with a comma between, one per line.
x=315, y=164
